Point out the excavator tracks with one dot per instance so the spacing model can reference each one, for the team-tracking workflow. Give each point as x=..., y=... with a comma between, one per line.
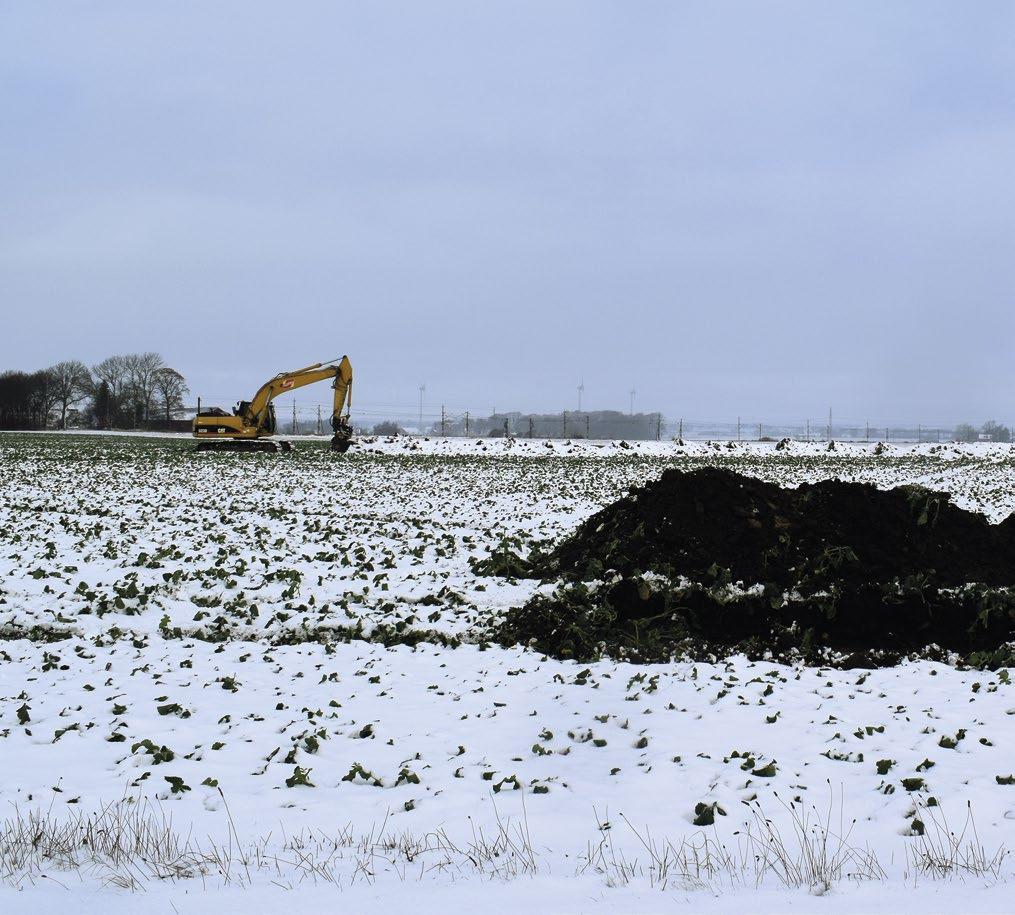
x=244, y=445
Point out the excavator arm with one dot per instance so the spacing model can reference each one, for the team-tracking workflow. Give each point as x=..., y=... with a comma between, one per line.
x=256, y=418
x=256, y=412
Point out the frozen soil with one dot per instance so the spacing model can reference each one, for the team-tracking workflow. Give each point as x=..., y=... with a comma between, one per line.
x=707, y=562
x=302, y=640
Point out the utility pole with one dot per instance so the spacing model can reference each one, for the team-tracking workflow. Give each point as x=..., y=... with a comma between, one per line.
x=565, y=425
x=422, y=391
x=632, y=392
x=443, y=421
x=587, y=426
x=919, y=433
x=808, y=437
x=659, y=426
x=581, y=390
x=294, y=418
x=318, y=419
x=867, y=431
x=759, y=432
x=531, y=426
x=680, y=434
x=466, y=422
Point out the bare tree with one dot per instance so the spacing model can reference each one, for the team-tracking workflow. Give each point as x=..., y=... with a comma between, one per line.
x=141, y=369
x=71, y=384
x=964, y=432
x=43, y=397
x=996, y=432
x=169, y=387
x=113, y=373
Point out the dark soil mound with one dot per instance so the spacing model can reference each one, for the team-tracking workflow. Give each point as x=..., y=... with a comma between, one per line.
x=710, y=561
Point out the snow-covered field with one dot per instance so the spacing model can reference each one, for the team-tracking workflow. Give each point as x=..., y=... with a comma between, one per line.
x=279, y=664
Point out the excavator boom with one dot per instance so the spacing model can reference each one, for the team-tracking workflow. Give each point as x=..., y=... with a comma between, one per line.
x=253, y=420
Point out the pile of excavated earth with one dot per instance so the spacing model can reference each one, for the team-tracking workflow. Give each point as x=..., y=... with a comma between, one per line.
x=709, y=562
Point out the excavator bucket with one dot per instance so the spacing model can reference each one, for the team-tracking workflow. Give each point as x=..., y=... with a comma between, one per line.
x=342, y=438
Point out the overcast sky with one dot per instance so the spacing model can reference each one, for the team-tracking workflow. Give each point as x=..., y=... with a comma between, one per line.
x=738, y=208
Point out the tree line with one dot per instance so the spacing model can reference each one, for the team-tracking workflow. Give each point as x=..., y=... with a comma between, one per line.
x=990, y=431
x=120, y=392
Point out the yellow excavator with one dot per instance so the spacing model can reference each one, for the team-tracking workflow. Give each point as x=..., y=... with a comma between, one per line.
x=252, y=423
